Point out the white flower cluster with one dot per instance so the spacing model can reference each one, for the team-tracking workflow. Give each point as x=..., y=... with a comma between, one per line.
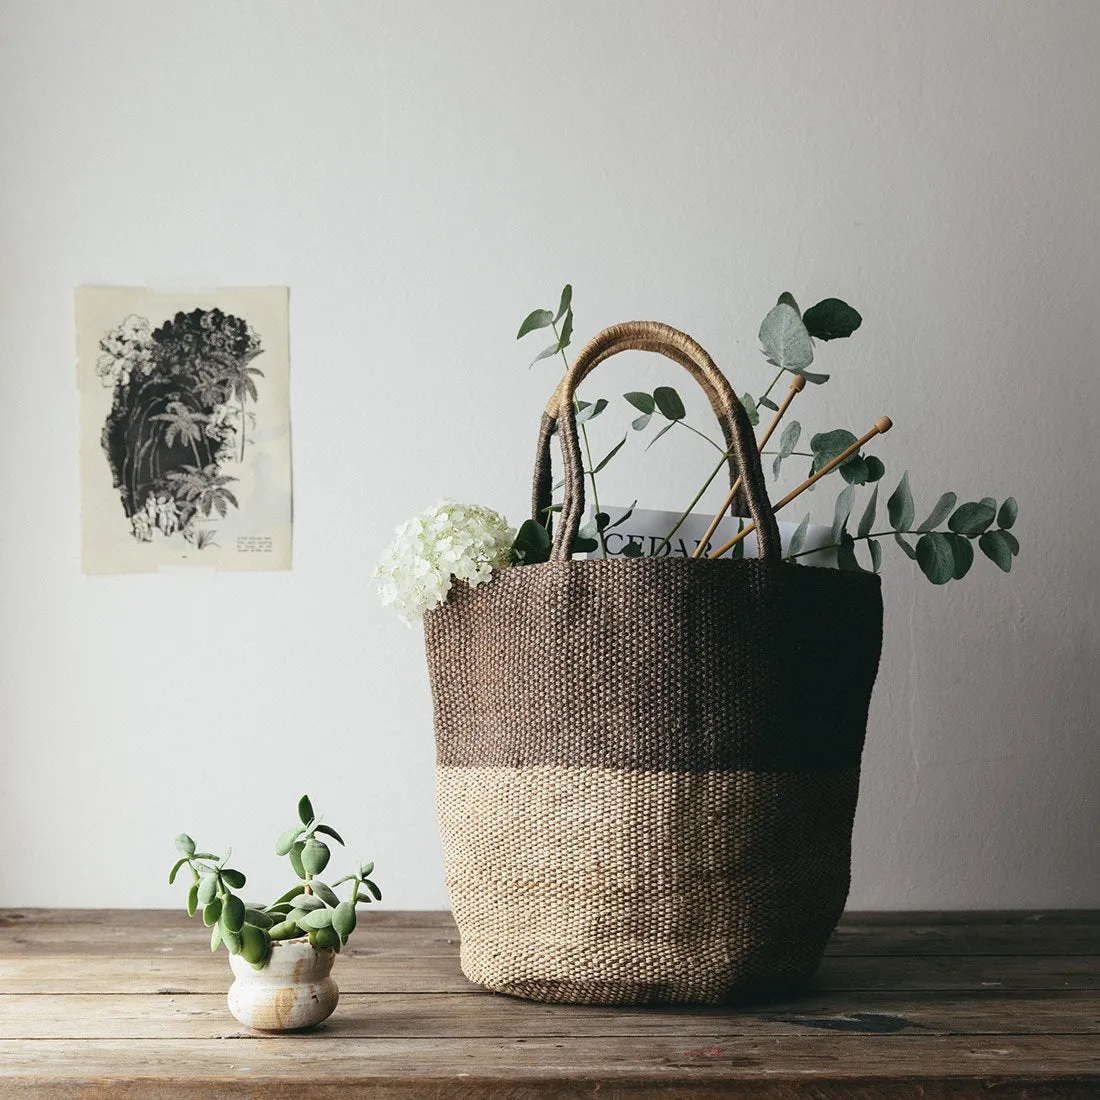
x=449, y=542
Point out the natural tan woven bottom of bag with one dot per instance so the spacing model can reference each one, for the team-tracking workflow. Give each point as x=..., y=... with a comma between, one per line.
x=632, y=887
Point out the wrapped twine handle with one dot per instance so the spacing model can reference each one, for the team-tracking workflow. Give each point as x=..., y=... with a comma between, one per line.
x=680, y=348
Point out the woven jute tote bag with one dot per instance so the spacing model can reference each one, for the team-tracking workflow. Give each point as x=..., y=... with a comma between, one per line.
x=648, y=768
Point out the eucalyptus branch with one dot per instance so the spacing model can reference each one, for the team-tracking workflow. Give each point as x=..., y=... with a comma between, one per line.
x=667, y=540
x=701, y=435
x=771, y=386
x=591, y=471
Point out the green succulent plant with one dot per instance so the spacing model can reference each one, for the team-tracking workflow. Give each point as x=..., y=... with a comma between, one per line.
x=311, y=909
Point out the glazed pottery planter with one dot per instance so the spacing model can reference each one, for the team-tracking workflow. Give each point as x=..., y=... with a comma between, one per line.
x=292, y=992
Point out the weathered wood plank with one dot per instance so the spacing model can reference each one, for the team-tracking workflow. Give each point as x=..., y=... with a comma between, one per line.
x=359, y=973
x=210, y=973
x=314, y=1058
x=130, y=932
x=472, y=1087
x=379, y=1016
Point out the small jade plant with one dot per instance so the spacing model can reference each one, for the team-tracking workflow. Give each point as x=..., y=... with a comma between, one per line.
x=311, y=909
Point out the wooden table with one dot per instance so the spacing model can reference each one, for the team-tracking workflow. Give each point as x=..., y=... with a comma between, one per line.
x=131, y=1003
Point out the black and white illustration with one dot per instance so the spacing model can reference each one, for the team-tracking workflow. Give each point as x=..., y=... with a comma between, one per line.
x=186, y=448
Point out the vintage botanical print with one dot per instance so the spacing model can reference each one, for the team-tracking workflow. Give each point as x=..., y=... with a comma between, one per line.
x=185, y=450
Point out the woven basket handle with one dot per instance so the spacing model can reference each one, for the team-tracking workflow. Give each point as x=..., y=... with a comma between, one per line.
x=682, y=349
x=542, y=490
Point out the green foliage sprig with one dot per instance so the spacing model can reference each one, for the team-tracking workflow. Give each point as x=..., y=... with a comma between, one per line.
x=311, y=909
x=787, y=338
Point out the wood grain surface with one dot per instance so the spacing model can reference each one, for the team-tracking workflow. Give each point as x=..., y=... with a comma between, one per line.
x=934, y=1005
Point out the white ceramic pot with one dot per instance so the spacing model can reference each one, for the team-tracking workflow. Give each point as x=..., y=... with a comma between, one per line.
x=292, y=992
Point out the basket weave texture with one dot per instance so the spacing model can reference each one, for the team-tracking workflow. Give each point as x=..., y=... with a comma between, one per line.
x=647, y=770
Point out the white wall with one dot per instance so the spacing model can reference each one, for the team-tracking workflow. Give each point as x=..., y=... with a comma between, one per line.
x=422, y=175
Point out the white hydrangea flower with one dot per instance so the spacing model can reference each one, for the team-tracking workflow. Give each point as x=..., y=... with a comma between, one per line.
x=448, y=542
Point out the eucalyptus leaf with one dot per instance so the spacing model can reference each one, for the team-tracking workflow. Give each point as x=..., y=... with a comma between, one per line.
x=935, y=558
x=939, y=513
x=546, y=353
x=536, y=319
x=831, y=319
x=901, y=508
x=768, y=403
x=631, y=550
x=876, y=554
x=972, y=519
x=909, y=551
x=750, y=408
x=875, y=468
x=668, y=427
x=566, y=302
x=1009, y=510
x=643, y=402
x=622, y=519
x=789, y=439
x=591, y=410
x=639, y=423
x=842, y=510
x=608, y=457
x=566, y=331
x=776, y=465
x=828, y=445
x=532, y=543
x=854, y=470
x=186, y=846
x=846, y=555
x=962, y=551
x=788, y=298
x=785, y=339
x=995, y=547
x=669, y=403
x=1013, y=545
x=798, y=539
x=867, y=520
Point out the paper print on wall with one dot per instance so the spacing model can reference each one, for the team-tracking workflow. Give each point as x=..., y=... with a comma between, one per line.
x=185, y=423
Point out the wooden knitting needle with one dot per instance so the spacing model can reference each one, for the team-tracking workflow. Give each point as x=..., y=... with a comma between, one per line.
x=797, y=385
x=882, y=425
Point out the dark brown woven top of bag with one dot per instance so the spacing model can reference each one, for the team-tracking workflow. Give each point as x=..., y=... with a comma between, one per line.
x=657, y=664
